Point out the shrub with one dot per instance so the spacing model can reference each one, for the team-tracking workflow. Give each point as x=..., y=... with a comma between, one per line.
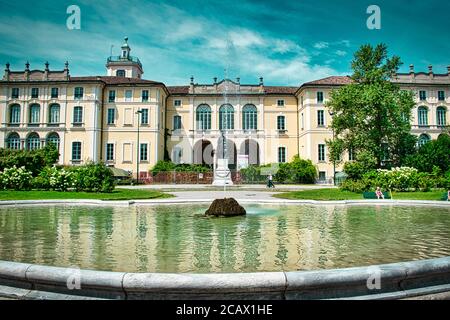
x=93, y=177
x=168, y=166
x=354, y=186
x=296, y=171
x=302, y=171
x=55, y=179
x=16, y=178
x=34, y=160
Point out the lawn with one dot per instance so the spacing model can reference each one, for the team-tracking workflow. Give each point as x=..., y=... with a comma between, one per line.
x=118, y=194
x=336, y=194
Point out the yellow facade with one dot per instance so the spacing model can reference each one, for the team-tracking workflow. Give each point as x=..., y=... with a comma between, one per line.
x=99, y=118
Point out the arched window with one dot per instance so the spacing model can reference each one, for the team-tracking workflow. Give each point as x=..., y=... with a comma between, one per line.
x=249, y=117
x=14, y=114
x=441, y=116
x=54, y=114
x=54, y=139
x=423, y=116
x=226, y=117
x=424, y=139
x=35, y=111
x=120, y=73
x=33, y=141
x=203, y=117
x=13, y=141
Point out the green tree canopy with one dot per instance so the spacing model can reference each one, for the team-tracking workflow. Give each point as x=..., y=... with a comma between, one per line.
x=372, y=114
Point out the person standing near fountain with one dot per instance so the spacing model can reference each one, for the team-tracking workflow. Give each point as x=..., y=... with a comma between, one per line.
x=270, y=181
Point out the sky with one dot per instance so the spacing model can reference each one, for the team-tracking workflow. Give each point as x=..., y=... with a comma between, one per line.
x=288, y=42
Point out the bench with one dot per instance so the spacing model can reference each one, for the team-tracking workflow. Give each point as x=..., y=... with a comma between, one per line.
x=372, y=195
x=445, y=197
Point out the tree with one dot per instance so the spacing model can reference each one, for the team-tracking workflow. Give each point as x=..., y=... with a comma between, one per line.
x=372, y=114
x=435, y=153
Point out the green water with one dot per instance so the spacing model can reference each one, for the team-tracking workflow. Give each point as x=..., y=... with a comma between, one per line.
x=180, y=239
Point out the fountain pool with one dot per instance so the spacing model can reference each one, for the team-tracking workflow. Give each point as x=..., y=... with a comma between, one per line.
x=179, y=238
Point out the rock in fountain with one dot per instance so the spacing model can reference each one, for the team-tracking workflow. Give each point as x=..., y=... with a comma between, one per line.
x=227, y=207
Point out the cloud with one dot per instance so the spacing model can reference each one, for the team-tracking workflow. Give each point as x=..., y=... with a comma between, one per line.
x=171, y=43
x=321, y=45
x=341, y=53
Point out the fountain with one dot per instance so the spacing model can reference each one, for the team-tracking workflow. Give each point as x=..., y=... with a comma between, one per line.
x=222, y=174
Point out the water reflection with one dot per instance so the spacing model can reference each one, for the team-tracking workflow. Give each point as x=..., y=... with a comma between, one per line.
x=181, y=239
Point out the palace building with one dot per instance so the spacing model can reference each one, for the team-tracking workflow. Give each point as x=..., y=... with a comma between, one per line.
x=125, y=121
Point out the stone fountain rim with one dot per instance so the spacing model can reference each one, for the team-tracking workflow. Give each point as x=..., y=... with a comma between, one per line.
x=174, y=201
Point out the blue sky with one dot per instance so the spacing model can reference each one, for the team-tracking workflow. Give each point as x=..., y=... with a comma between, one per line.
x=287, y=42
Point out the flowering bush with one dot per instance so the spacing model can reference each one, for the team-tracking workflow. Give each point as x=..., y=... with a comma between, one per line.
x=15, y=178
x=54, y=178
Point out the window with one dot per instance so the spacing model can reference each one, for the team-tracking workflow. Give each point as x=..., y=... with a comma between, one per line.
x=34, y=93
x=280, y=103
x=15, y=93
x=319, y=97
x=53, y=138
x=78, y=94
x=54, y=114
x=76, y=151
x=203, y=117
x=281, y=154
x=112, y=95
x=441, y=116
x=281, y=123
x=54, y=93
x=35, y=111
x=226, y=117
x=249, y=117
x=128, y=95
x=422, y=95
x=13, y=141
x=441, y=95
x=177, y=123
x=14, y=115
x=33, y=141
x=423, y=116
x=144, y=116
x=424, y=139
x=143, y=154
x=144, y=95
x=111, y=115
x=322, y=176
x=351, y=154
x=320, y=118
x=177, y=103
x=78, y=115
x=321, y=152
x=120, y=73
x=109, y=151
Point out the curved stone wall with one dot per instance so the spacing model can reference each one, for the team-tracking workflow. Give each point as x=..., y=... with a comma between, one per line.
x=389, y=281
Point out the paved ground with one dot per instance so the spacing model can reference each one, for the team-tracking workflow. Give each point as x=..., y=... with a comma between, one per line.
x=208, y=187
x=211, y=195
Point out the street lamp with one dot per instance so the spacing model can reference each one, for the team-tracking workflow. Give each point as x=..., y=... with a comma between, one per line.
x=139, y=112
x=334, y=160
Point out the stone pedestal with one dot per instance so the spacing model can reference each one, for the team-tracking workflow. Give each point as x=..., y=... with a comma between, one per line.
x=227, y=207
x=222, y=174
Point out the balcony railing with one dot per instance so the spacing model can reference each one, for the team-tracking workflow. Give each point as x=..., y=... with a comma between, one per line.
x=122, y=59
